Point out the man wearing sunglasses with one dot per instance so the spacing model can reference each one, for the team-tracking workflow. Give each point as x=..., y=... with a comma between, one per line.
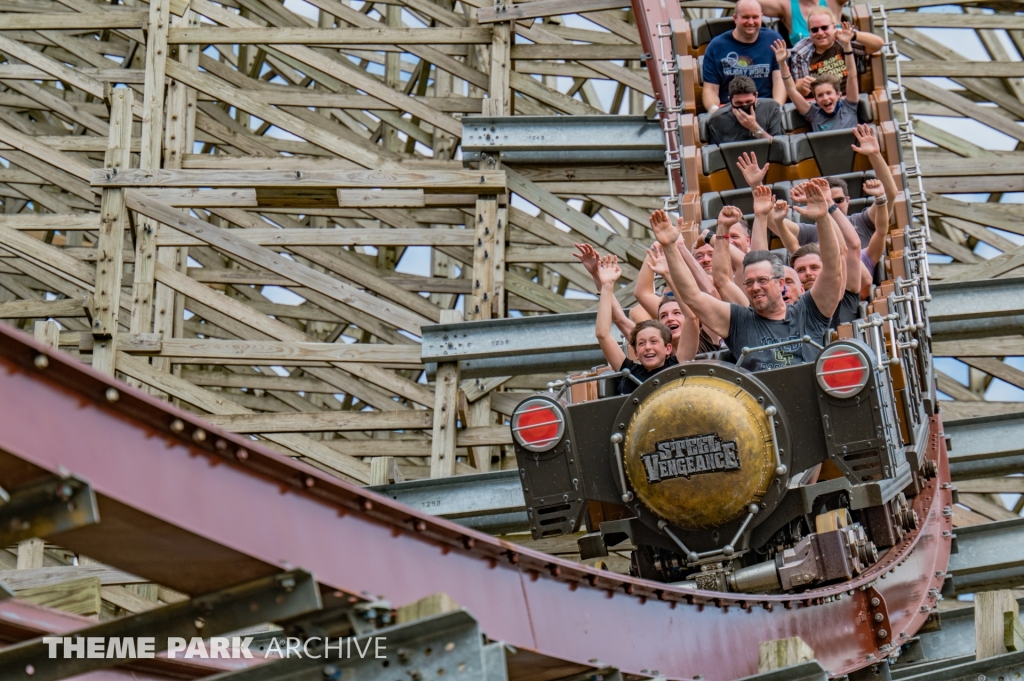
x=821, y=53
x=768, y=320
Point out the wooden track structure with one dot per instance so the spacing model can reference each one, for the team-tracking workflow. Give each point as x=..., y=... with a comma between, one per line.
x=173, y=172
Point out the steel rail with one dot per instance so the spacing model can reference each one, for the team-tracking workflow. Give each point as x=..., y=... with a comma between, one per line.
x=187, y=505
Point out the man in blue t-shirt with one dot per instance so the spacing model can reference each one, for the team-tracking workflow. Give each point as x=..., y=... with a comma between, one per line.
x=744, y=51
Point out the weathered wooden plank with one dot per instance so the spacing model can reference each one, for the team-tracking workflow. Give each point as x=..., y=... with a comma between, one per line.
x=333, y=237
x=285, y=353
x=954, y=20
x=65, y=21
x=78, y=596
x=29, y=309
x=432, y=181
x=48, y=576
x=577, y=52
x=970, y=69
x=324, y=421
x=330, y=36
x=1002, y=346
x=110, y=243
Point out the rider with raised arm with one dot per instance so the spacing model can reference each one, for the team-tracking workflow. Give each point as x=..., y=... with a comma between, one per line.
x=769, y=320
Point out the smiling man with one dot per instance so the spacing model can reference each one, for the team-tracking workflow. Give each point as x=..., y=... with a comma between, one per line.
x=744, y=51
x=768, y=320
x=820, y=52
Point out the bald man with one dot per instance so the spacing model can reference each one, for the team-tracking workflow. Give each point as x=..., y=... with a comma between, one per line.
x=744, y=51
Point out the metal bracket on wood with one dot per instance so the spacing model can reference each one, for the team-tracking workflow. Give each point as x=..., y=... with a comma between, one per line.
x=431, y=649
x=268, y=599
x=47, y=508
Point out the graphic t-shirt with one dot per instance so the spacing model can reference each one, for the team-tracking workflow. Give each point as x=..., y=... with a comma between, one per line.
x=843, y=117
x=747, y=329
x=626, y=385
x=726, y=58
x=805, y=61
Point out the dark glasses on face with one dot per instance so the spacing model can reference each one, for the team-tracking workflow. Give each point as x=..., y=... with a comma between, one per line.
x=819, y=28
x=841, y=199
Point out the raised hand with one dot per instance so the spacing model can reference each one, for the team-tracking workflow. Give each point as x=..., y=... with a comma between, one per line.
x=817, y=199
x=780, y=50
x=867, y=143
x=798, y=193
x=873, y=188
x=656, y=260
x=608, y=270
x=764, y=201
x=727, y=217
x=780, y=211
x=588, y=257
x=666, y=232
x=747, y=163
x=844, y=36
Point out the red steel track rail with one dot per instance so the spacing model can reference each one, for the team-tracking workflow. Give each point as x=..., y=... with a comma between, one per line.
x=192, y=507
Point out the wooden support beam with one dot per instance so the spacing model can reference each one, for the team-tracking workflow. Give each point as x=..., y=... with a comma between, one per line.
x=989, y=622
x=324, y=421
x=499, y=90
x=30, y=553
x=435, y=181
x=113, y=221
x=446, y=407
x=480, y=304
x=359, y=37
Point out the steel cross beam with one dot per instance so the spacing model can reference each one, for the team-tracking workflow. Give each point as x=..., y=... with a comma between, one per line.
x=489, y=502
x=268, y=599
x=986, y=446
x=989, y=556
x=197, y=509
x=976, y=309
x=434, y=648
x=563, y=140
x=46, y=508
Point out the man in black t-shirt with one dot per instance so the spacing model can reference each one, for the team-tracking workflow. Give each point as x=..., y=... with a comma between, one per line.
x=768, y=320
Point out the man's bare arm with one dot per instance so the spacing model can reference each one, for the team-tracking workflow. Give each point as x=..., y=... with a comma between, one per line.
x=712, y=312
x=710, y=96
x=828, y=288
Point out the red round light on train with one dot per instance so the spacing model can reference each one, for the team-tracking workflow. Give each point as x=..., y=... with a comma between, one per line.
x=538, y=425
x=843, y=370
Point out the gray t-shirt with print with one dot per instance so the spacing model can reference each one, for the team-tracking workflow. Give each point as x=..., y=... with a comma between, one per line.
x=747, y=329
x=844, y=116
